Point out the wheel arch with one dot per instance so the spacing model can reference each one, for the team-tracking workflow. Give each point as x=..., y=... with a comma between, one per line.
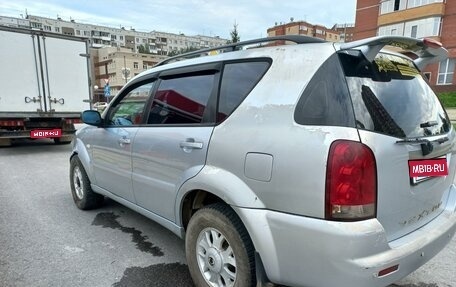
x=209, y=186
x=80, y=150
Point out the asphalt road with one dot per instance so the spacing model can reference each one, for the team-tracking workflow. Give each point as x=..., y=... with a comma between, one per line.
x=46, y=241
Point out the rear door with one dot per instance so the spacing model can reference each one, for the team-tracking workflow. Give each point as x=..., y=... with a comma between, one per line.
x=172, y=147
x=400, y=118
x=66, y=74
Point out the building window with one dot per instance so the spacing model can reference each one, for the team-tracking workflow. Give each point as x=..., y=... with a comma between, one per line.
x=427, y=75
x=47, y=28
x=446, y=72
x=414, y=30
x=57, y=29
x=86, y=33
x=417, y=3
x=392, y=5
x=36, y=25
x=427, y=27
x=135, y=65
x=145, y=66
x=121, y=38
x=423, y=28
x=78, y=32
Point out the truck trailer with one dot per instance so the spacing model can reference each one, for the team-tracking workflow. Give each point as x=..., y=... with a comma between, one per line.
x=44, y=84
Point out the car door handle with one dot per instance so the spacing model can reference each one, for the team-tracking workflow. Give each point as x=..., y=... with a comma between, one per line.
x=124, y=140
x=191, y=145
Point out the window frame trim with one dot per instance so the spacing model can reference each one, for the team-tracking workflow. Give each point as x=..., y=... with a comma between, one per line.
x=446, y=73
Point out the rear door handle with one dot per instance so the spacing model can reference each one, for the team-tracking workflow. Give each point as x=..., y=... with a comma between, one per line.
x=123, y=141
x=190, y=144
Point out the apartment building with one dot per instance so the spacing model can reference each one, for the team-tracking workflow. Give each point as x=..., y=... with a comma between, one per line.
x=14, y=22
x=418, y=19
x=338, y=33
x=117, y=54
x=117, y=65
x=154, y=42
x=345, y=31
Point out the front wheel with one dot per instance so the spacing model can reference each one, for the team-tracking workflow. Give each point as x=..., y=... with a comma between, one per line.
x=83, y=195
x=218, y=248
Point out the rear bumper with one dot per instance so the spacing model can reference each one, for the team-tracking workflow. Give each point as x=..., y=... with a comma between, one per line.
x=295, y=249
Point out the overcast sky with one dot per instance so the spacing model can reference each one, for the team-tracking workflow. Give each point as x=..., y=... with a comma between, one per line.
x=191, y=17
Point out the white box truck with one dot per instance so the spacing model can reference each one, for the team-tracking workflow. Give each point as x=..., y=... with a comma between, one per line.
x=44, y=84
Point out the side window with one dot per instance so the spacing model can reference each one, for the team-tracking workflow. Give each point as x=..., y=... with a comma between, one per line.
x=237, y=82
x=129, y=111
x=181, y=100
x=326, y=99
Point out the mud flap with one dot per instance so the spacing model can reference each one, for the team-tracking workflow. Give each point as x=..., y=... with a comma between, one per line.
x=5, y=142
x=261, y=277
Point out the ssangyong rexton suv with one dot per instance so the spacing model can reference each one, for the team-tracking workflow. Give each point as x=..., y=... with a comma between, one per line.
x=312, y=164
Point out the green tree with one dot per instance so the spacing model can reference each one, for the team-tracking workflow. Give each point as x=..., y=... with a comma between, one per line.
x=234, y=34
x=182, y=51
x=144, y=49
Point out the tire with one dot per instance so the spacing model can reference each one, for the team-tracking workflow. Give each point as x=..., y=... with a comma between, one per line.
x=218, y=243
x=83, y=195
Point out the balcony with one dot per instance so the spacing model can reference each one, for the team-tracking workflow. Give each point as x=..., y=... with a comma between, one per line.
x=436, y=9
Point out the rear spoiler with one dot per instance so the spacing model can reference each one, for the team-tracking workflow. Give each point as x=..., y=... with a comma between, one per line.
x=427, y=50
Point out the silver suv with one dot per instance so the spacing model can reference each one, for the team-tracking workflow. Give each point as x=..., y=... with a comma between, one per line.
x=279, y=162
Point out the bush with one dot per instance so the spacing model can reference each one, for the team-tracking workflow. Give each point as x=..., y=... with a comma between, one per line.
x=448, y=99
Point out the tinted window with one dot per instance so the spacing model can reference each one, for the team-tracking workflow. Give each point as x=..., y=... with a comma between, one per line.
x=181, y=100
x=237, y=82
x=326, y=100
x=391, y=97
x=129, y=110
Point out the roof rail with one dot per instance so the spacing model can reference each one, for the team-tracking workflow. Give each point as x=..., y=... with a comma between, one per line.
x=298, y=39
x=428, y=50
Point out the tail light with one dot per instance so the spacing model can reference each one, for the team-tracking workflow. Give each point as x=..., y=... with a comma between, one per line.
x=351, y=182
x=11, y=123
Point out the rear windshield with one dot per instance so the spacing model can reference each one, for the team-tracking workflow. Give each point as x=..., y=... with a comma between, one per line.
x=391, y=97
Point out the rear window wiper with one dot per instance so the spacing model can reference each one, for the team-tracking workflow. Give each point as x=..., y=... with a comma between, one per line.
x=429, y=124
x=427, y=146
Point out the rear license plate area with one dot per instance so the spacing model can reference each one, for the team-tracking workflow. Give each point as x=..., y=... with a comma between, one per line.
x=42, y=134
x=421, y=170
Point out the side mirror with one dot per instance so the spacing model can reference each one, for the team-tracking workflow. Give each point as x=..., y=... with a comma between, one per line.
x=92, y=118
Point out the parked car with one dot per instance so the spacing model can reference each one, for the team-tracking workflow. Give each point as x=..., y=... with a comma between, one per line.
x=278, y=163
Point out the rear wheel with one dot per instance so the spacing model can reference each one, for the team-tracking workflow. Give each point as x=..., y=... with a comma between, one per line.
x=219, y=250
x=83, y=195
